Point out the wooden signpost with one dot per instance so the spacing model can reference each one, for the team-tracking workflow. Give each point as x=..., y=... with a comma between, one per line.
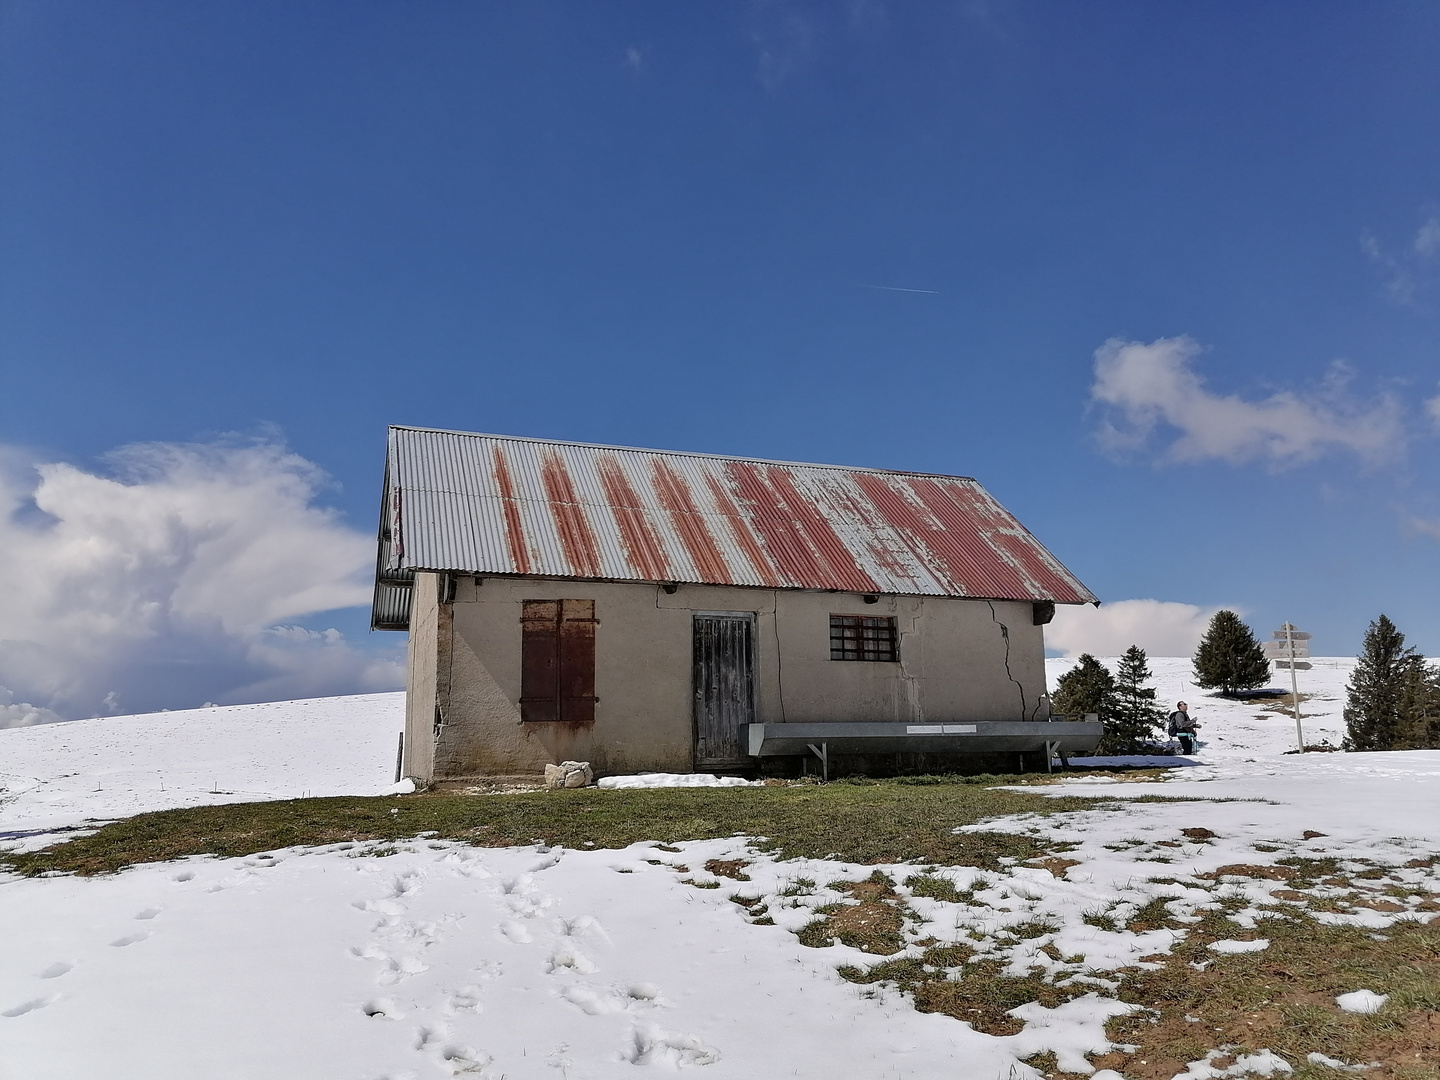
x=1291, y=650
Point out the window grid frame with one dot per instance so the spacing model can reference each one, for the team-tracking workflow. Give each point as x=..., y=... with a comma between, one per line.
x=864, y=639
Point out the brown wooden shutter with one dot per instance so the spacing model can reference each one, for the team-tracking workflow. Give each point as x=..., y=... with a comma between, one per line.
x=540, y=660
x=557, y=660
x=577, y=660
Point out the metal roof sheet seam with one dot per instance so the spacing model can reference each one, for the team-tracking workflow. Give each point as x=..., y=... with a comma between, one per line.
x=477, y=503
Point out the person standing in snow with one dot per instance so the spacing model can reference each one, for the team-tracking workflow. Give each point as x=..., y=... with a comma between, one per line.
x=1183, y=726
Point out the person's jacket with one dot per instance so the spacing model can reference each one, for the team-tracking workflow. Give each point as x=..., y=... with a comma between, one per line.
x=1181, y=721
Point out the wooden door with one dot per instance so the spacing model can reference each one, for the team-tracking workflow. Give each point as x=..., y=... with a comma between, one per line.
x=724, y=686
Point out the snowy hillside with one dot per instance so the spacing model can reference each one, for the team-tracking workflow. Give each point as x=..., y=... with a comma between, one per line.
x=1232, y=731
x=57, y=776
x=438, y=959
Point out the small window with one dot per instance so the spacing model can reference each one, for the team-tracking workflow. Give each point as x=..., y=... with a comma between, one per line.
x=859, y=637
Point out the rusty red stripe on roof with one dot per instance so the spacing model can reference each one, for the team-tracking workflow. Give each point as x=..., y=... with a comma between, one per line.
x=867, y=511
x=514, y=531
x=792, y=560
x=836, y=561
x=942, y=554
x=675, y=496
x=973, y=516
x=642, y=546
x=799, y=542
x=740, y=531
x=576, y=536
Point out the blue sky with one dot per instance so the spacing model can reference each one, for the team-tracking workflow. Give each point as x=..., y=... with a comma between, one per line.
x=250, y=235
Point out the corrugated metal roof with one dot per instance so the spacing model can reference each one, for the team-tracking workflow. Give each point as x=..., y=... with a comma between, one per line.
x=494, y=504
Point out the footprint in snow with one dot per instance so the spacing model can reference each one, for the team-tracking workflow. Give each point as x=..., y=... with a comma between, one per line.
x=464, y=1059
x=518, y=885
x=459, y=1058
x=30, y=1006
x=55, y=970
x=183, y=875
x=550, y=859
x=406, y=884
x=516, y=932
x=607, y=1000
x=584, y=926
x=392, y=968
x=568, y=957
x=396, y=968
x=382, y=1009
x=129, y=939
x=383, y=907
x=464, y=864
x=147, y=913
x=649, y=1044
x=466, y=999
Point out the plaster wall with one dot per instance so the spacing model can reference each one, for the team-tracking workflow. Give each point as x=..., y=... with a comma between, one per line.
x=960, y=660
x=422, y=666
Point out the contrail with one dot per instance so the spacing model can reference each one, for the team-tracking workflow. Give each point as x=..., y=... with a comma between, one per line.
x=897, y=288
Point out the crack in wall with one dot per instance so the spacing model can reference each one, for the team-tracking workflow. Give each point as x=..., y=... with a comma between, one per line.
x=907, y=680
x=1005, y=634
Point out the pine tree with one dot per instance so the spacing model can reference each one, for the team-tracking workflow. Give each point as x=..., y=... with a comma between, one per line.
x=1229, y=657
x=1383, y=686
x=1419, y=706
x=1088, y=687
x=1136, y=716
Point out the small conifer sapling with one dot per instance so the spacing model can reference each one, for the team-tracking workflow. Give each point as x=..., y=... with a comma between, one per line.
x=1088, y=687
x=1136, y=718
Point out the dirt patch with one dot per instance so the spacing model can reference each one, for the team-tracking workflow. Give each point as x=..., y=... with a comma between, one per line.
x=1055, y=864
x=734, y=869
x=1250, y=870
x=1198, y=833
x=873, y=924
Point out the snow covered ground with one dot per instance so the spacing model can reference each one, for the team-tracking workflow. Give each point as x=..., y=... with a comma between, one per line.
x=59, y=776
x=434, y=959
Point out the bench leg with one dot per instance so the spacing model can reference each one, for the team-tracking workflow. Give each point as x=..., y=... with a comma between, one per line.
x=823, y=753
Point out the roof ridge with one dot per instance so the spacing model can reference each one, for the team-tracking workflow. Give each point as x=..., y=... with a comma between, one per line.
x=680, y=453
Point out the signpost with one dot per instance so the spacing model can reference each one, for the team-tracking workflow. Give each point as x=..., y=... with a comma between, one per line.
x=1291, y=650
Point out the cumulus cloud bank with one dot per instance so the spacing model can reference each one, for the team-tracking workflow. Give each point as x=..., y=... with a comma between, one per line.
x=1149, y=394
x=172, y=577
x=1160, y=627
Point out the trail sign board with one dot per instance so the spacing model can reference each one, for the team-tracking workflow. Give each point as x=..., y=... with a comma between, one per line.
x=1286, y=652
x=1275, y=650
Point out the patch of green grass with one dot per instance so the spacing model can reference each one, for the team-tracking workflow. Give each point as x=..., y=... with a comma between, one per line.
x=935, y=887
x=875, y=822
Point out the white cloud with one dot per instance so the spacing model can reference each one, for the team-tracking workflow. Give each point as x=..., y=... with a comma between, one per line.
x=1160, y=627
x=1150, y=389
x=21, y=713
x=1433, y=408
x=785, y=42
x=1427, y=240
x=1424, y=526
x=1409, y=271
x=160, y=581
